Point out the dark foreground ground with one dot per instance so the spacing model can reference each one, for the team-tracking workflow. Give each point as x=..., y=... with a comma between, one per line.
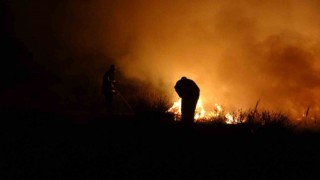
x=48, y=146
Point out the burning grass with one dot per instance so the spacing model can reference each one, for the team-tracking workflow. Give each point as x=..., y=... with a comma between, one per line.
x=152, y=105
x=159, y=107
x=252, y=117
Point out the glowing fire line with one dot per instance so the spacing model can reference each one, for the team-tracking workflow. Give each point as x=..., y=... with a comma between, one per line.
x=201, y=115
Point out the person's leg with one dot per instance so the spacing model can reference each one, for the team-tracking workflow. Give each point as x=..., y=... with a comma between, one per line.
x=188, y=111
x=183, y=110
x=109, y=102
x=193, y=106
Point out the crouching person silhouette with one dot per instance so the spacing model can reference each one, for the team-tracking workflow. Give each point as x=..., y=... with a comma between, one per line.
x=189, y=92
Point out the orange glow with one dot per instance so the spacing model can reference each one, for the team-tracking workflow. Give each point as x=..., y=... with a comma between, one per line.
x=239, y=52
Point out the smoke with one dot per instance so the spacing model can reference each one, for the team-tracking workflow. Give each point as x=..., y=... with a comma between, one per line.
x=237, y=52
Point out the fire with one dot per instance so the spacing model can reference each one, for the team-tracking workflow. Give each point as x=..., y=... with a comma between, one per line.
x=231, y=119
x=176, y=109
x=202, y=115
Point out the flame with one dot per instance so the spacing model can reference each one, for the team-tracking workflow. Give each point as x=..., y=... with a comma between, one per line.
x=176, y=109
x=231, y=119
x=202, y=115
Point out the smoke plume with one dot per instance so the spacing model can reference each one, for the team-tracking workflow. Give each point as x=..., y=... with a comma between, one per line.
x=237, y=52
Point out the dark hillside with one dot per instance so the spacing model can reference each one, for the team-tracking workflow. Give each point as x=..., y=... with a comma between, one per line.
x=130, y=148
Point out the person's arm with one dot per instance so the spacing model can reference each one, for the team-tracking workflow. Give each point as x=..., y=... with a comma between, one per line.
x=179, y=90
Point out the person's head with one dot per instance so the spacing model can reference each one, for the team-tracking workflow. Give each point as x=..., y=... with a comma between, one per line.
x=112, y=67
x=183, y=78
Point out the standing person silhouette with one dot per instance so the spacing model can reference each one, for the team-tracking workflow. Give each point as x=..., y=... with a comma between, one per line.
x=108, y=87
x=189, y=92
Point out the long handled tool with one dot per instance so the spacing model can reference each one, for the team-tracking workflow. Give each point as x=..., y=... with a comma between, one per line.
x=125, y=101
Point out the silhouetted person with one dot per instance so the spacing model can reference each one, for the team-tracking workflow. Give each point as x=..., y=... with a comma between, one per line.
x=108, y=87
x=189, y=93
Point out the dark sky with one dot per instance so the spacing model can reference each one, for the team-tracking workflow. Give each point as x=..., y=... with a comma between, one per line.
x=236, y=52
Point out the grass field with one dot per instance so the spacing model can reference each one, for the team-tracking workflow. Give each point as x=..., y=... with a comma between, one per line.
x=44, y=145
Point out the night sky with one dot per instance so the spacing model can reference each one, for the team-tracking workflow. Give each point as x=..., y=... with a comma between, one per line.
x=54, y=53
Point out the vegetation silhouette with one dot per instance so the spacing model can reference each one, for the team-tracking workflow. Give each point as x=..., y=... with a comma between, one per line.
x=151, y=144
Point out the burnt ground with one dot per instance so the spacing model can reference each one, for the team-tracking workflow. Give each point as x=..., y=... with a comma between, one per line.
x=49, y=146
